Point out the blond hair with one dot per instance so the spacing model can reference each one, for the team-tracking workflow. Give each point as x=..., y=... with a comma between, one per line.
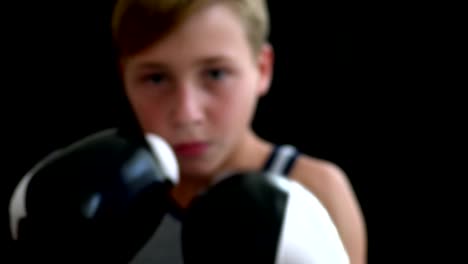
x=137, y=24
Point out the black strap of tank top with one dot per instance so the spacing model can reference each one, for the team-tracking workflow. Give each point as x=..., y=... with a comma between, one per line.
x=281, y=159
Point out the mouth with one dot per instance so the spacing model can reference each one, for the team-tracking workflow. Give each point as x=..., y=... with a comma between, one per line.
x=191, y=149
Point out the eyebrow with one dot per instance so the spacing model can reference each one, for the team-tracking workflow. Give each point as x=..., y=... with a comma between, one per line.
x=151, y=65
x=213, y=59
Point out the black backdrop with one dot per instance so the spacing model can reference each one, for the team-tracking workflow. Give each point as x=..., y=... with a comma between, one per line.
x=352, y=72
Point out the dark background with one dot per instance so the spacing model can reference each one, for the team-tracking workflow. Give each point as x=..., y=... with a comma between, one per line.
x=352, y=85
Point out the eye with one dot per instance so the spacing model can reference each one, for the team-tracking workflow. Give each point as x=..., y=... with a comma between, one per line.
x=216, y=73
x=156, y=78
x=153, y=78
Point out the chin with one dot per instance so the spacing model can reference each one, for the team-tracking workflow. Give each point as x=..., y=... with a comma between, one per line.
x=197, y=171
x=202, y=168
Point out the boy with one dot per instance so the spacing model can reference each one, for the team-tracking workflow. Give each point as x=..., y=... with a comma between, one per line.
x=193, y=72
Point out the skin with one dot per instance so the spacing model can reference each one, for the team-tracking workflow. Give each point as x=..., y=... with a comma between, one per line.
x=202, y=83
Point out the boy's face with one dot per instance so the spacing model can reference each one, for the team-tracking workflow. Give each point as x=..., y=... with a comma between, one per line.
x=198, y=88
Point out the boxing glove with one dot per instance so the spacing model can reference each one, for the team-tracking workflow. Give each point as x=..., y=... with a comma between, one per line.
x=257, y=217
x=95, y=201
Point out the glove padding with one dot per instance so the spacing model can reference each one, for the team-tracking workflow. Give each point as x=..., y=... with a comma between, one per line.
x=99, y=199
x=260, y=218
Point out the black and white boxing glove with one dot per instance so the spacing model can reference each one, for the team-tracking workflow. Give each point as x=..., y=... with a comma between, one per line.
x=96, y=201
x=257, y=217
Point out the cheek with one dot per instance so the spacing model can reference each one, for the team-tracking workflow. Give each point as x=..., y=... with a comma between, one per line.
x=148, y=112
x=233, y=112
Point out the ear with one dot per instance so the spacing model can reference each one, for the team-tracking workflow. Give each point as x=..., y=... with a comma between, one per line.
x=121, y=67
x=265, y=62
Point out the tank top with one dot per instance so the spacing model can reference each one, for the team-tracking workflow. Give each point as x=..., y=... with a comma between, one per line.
x=165, y=245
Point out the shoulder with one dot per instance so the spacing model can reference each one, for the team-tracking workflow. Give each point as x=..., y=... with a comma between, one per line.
x=324, y=179
x=330, y=184
x=318, y=175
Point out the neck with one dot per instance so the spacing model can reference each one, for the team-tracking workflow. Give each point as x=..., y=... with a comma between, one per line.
x=249, y=155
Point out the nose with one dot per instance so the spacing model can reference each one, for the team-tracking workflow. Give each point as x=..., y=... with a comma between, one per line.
x=188, y=108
